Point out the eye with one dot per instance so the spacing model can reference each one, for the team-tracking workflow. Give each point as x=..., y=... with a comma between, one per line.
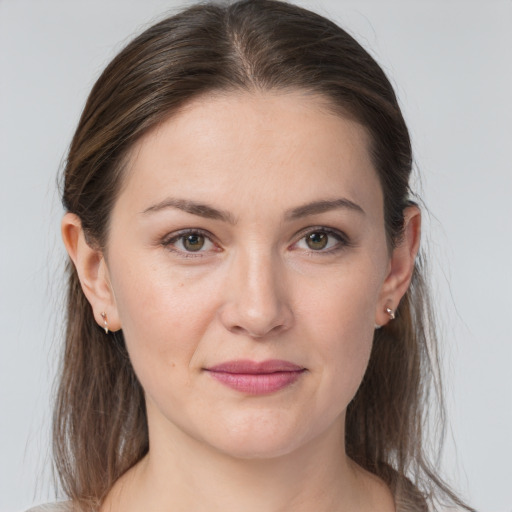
x=193, y=242
x=317, y=241
x=189, y=242
x=322, y=240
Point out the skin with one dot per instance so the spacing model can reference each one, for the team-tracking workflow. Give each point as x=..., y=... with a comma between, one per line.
x=255, y=290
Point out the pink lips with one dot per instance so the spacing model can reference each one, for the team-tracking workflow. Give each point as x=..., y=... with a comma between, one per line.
x=256, y=378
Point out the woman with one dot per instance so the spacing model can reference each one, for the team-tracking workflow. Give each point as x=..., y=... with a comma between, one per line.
x=248, y=326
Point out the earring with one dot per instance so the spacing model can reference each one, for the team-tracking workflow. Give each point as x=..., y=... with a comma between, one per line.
x=105, y=323
x=391, y=313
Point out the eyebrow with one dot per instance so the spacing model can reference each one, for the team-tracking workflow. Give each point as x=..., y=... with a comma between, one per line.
x=200, y=209
x=322, y=206
x=206, y=211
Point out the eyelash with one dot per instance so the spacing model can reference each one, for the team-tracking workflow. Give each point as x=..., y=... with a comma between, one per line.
x=342, y=241
x=169, y=242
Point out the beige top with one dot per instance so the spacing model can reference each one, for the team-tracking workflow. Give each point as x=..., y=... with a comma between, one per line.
x=65, y=506
x=60, y=506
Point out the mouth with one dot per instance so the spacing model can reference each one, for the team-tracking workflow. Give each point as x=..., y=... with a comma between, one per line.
x=256, y=378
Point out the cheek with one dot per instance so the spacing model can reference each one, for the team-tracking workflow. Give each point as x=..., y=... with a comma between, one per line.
x=340, y=318
x=344, y=301
x=163, y=316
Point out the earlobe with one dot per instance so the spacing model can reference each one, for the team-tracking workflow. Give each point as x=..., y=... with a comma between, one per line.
x=92, y=271
x=401, y=267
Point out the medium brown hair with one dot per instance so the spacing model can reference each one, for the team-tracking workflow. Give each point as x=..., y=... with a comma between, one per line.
x=100, y=424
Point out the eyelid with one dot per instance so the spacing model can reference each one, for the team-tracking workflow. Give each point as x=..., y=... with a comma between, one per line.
x=343, y=239
x=168, y=240
x=171, y=238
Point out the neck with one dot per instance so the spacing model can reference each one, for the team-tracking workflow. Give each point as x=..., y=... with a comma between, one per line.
x=181, y=473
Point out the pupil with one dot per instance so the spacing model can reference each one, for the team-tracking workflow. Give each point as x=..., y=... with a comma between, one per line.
x=317, y=241
x=193, y=242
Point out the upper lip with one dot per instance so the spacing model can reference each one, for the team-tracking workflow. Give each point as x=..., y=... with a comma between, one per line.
x=254, y=367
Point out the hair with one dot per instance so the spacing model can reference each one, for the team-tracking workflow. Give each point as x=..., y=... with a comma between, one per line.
x=100, y=425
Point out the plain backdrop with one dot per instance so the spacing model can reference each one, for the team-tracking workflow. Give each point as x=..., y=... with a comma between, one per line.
x=450, y=62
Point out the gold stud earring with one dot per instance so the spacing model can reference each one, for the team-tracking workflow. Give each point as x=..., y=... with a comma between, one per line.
x=105, y=323
x=391, y=313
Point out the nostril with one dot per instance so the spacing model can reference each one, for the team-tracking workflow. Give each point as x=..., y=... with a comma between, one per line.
x=254, y=332
x=255, y=306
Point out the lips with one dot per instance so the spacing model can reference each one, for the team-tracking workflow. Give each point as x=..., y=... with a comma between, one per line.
x=252, y=367
x=256, y=378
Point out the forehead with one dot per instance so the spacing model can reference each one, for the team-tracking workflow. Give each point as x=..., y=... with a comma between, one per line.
x=283, y=147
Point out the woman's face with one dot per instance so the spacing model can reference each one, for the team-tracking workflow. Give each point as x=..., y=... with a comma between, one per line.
x=250, y=230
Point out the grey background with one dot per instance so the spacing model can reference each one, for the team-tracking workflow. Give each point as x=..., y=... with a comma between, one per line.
x=450, y=62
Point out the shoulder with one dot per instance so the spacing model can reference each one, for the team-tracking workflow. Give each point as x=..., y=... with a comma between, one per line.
x=59, y=506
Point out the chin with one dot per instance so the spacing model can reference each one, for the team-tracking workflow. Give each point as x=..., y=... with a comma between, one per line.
x=259, y=438
x=257, y=449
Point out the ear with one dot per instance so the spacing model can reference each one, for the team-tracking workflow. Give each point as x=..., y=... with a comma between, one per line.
x=401, y=266
x=92, y=271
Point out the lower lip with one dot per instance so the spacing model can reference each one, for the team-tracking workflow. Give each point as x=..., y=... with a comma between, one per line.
x=259, y=383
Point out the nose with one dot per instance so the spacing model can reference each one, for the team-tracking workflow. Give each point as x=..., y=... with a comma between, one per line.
x=256, y=295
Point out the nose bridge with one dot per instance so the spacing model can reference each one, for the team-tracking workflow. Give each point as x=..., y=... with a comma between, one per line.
x=260, y=269
x=257, y=301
